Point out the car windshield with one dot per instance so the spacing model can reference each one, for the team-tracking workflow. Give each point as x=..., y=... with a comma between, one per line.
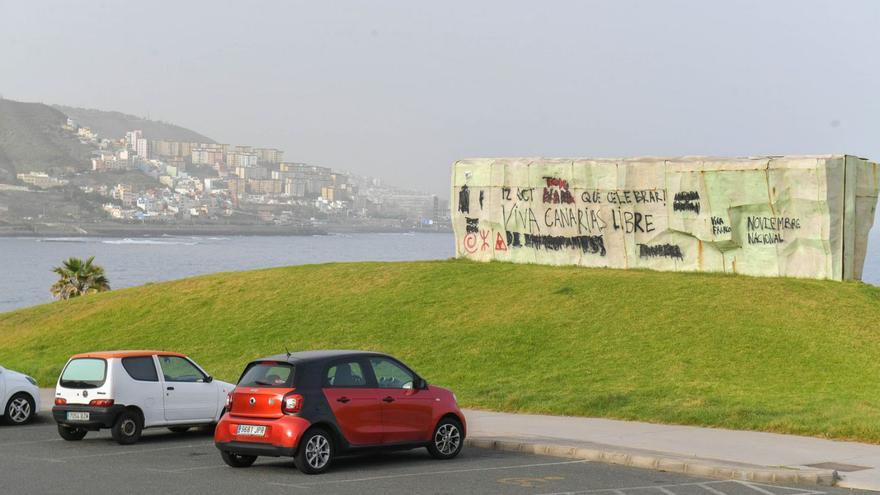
x=84, y=373
x=268, y=374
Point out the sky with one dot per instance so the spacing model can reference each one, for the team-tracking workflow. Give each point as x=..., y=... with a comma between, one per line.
x=401, y=89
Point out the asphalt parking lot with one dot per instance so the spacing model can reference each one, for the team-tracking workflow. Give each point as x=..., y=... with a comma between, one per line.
x=33, y=459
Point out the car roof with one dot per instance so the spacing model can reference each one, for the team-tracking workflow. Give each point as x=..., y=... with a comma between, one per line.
x=318, y=355
x=123, y=354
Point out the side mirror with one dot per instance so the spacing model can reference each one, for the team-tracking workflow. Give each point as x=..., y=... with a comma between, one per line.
x=420, y=384
x=209, y=379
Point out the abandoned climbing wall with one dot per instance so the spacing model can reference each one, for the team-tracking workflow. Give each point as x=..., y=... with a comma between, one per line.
x=798, y=216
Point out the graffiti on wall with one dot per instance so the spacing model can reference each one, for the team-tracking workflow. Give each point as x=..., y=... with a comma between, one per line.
x=734, y=215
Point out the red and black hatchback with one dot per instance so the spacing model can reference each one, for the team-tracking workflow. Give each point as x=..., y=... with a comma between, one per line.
x=315, y=405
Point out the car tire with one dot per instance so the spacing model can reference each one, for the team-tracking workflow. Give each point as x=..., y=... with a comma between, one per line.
x=20, y=409
x=127, y=428
x=237, y=460
x=316, y=451
x=71, y=434
x=447, y=440
x=179, y=429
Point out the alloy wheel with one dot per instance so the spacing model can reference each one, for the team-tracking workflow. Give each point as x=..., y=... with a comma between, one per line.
x=447, y=438
x=318, y=451
x=19, y=410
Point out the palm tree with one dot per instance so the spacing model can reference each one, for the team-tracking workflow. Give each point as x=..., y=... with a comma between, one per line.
x=78, y=278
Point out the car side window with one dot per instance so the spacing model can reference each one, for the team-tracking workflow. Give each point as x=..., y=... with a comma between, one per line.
x=141, y=368
x=178, y=369
x=346, y=374
x=390, y=374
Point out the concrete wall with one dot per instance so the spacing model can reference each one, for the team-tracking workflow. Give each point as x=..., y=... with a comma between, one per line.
x=800, y=216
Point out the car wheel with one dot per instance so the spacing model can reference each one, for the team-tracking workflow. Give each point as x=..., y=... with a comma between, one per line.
x=20, y=409
x=179, y=429
x=71, y=434
x=127, y=428
x=237, y=460
x=447, y=440
x=315, y=452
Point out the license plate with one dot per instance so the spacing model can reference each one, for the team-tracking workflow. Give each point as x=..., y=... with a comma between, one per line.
x=77, y=416
x=251, y=430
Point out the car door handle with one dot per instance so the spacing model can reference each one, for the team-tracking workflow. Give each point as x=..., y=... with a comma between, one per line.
x=388, y=399
x=170, y=388
x=343, y=399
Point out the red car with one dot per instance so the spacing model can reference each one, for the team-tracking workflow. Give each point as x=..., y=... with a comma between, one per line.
x=315, y=405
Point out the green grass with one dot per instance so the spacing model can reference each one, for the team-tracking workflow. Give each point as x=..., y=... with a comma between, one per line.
x=784, y=355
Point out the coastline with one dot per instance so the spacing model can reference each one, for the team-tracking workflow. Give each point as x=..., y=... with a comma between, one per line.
x=159, y=230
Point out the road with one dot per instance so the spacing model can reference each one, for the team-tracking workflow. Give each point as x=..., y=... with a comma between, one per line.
x=33, y=459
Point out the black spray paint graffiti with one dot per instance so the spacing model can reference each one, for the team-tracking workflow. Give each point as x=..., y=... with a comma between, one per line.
x=464, y=200
x=590, y=244
x=481, y=199
x=774, y=224
x=635, y=196
x=520, y=218
x=718, y=226
x=632, y=221
x=660, y=251
x=472, y=225
x=586, y=220
x=524, y=194
x=686, y=201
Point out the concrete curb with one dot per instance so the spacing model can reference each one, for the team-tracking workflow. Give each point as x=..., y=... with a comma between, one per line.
x=697, y=467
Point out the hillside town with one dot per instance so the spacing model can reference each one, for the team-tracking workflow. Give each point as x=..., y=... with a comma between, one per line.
x=198, y=182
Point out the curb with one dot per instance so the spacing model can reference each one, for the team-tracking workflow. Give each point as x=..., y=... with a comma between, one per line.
x=685, y=465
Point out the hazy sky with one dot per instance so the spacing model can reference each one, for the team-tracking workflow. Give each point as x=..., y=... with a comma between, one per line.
x=401, y=89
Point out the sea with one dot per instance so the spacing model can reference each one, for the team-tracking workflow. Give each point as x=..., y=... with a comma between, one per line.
x=131, y=261
x=28, y=261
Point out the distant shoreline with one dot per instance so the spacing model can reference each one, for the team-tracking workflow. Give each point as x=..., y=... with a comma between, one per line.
x=148, y=230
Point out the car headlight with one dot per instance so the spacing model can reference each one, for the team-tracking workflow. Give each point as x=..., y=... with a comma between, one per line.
x=33, y=382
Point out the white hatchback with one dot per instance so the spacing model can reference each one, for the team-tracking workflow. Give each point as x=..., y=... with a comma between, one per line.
x=19, y=396
x=128, y=391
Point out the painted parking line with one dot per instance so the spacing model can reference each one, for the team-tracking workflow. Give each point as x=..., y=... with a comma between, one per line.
x=186, y=470
x=760, y=490
x=712, y=487
x=427, y=473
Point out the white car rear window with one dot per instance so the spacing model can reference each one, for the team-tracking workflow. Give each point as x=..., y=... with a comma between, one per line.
x=84, y=373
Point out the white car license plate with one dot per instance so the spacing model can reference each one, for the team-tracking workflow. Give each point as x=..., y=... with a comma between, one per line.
x=251, y=430
x=77, y=416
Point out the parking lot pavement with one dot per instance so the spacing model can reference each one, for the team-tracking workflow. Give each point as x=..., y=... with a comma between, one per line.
x=33, y=459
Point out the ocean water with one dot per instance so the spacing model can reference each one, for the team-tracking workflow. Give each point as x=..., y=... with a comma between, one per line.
x=134, y=261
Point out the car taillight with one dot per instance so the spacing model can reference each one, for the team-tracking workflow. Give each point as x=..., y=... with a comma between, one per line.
x=101, y=402
x=292, y=403
x=229, y=401
x=60, y=402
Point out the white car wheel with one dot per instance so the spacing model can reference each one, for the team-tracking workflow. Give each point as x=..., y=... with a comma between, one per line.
x=20, y=409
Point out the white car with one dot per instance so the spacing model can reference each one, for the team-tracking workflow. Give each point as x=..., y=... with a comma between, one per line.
x=19, y=395
x=128, y=391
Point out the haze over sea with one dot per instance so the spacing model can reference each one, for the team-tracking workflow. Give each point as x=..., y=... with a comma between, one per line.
x=136, y=261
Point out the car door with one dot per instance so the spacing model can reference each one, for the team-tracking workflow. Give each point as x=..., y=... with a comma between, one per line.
x=354, y=400
x=144, y=389
x=189, y=395
x=407, y=413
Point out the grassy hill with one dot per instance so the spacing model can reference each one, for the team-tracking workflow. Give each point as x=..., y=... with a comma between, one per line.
x=31, y=138
x=114, y=125
x=785, y=355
